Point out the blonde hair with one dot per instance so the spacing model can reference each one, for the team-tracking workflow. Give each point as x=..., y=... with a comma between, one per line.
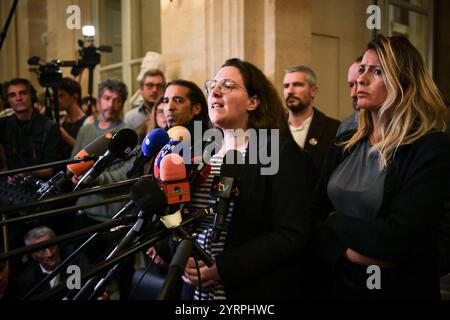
x=413, y=106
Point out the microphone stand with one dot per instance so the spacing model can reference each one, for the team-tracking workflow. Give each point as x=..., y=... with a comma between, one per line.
x=58, y=212
x=132, y=235
x=67, y=237
x=48, y=165
x=62, y=197
x=176, y=269
x=149, y=241
x=106, y=264
x=76, y=253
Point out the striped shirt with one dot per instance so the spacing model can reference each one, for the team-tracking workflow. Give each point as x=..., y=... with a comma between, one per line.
x=201, y=199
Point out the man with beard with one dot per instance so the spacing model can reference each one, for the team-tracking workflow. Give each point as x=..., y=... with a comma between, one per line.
x=112, y=95
x=312, y=130
x=351, y=122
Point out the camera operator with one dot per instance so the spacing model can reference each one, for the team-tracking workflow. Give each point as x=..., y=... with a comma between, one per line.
x=69, y=101
x=28, y=137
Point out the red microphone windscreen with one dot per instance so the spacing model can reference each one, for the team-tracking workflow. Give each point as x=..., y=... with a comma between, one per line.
x=96, y=147
x=173, y=179
x=172, y=168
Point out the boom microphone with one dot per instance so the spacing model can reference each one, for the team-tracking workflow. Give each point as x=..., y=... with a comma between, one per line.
x=152, y=144
x=122, y=143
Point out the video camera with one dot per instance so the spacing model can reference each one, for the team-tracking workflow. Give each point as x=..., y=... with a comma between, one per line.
x=50, y=74
x=89, y=54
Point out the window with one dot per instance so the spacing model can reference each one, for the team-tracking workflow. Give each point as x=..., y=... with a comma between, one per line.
x=413, y=20
x=132, y=28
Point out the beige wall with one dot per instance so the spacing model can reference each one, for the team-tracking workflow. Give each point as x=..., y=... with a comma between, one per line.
x=39, y=29
x=207, y=32
x=23, y=39
x=339, y=36
x=183, y=39
x=197, y=36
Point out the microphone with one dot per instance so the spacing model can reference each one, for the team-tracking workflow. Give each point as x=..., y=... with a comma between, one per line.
x=97, y=147
x=199, y=172
x=172, y=147
x=173, y=180
x=148, y=197
x=122, y=143
x=225, y=189
x=152, y=144
x=180, y=133
x=60, y=181
x=176, y=189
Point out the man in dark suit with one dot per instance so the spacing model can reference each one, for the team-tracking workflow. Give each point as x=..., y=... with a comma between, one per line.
x=45, y=261
x=312, y=130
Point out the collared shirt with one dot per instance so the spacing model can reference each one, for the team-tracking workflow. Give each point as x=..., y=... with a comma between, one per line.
x=301, y=132
x=54, y=281
x=135, y=117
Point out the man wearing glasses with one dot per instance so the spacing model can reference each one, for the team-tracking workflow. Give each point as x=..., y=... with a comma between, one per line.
x=151, y=87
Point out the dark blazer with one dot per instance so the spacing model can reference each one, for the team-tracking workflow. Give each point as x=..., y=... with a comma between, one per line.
x=269, y=229
x=30, y=277
x=404, y=231
x=34, y=142
x=321, y=134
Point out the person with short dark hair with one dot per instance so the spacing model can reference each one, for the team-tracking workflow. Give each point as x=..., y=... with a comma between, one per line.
x=351, y=122
x=185, y=105
x=28, y=137
x=69, y=101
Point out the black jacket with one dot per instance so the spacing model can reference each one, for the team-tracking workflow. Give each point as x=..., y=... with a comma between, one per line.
x=404, y=231
x=269, y=229
x=34, y=142
x=321, y=134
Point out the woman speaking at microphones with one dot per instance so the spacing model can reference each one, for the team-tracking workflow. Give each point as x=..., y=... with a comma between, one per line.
x=257, y=243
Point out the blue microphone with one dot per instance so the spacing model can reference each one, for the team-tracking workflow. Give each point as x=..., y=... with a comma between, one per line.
x=151, y=145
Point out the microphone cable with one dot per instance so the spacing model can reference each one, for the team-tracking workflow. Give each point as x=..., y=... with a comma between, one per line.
x=147, y=269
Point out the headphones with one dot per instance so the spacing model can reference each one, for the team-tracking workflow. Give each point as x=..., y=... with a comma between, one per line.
x=4, y=96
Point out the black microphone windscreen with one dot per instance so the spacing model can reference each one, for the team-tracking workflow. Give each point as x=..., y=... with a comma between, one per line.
x=123, y=142
x=147, y=195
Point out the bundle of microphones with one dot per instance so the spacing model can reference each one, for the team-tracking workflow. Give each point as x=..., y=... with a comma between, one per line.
x=163, y=194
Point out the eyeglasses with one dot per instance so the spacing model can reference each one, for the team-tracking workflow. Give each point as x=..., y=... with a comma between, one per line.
x=225, y=86
x=151, y=85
